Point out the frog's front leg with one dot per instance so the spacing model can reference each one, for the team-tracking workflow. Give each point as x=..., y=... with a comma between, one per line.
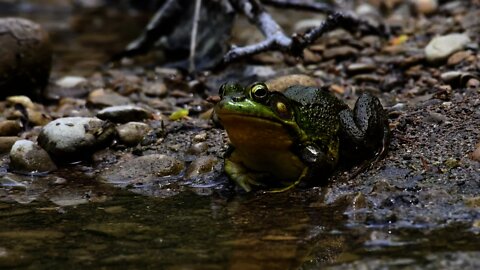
x=238, y=172
x=364, y=131
x=320, y=161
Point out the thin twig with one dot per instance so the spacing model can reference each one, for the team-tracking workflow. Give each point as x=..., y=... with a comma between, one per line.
x=193, y=40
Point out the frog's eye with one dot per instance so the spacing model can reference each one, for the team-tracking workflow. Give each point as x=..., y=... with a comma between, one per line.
x=259, y=91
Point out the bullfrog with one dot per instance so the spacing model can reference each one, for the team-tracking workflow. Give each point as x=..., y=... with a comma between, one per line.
x=279, y=139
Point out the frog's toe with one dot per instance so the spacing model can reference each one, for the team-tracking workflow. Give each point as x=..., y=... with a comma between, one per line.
x=239, y=174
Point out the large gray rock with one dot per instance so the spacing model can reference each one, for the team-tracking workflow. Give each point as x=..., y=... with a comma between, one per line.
x=75, y=137
x=441, y=47
x=25, y=57
x=27, y=157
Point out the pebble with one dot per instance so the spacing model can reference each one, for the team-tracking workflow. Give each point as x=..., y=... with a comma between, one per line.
x=70, y=81
x=124, y=113
x=475, y=155
x=200, y=166
x=142, y=169
x=27, y=157
x=6, y=143
x=10, y=128
x=425, y=6
x=339, y=52
x=26, y=57
x=156, y=90
x=441, y=47
x=25, y=101
x=458, y=57
x=132, y=133
x=75, y=137
x=101, y=98
x=283, y=82
x=356, y=68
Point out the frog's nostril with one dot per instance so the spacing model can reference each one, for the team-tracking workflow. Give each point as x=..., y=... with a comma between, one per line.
x=237, y=98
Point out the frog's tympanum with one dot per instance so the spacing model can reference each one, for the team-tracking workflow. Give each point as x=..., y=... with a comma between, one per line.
x=304, y=133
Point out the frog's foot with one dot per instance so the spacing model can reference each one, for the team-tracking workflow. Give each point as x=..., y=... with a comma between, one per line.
x=238, y=173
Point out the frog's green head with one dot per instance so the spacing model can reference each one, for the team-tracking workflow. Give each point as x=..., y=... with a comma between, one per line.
x=254, y=115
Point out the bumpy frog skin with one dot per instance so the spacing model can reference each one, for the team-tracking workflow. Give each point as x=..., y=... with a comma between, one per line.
x=279, y=139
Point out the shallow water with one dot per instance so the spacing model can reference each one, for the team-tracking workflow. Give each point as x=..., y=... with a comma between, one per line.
x=188, y=231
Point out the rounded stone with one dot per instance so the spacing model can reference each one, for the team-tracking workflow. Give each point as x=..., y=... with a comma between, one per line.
x=132, y=133
x=10, y=128
x=27, y=157
x=201, y=166
x=6, y=143
x=25, y=57
x=124, y=113
x=75, y=137
x=441, y=47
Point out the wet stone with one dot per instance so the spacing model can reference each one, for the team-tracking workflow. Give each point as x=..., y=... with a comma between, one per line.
x=132, y=133
x=25, y=57
x=201, y=166
x=75, y=137
x=27, y=157
x=441, y=47
x=10, y=128
x=124, y=113
x=142, y=169
x=425, y=6
x=283, y=82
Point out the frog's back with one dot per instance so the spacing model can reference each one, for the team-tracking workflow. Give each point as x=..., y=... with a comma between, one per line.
x=316, y=110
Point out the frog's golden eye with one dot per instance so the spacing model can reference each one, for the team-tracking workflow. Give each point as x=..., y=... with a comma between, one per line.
x=259, y=91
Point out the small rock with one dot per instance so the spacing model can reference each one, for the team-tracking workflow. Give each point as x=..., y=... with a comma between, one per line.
x=156, y=90
x=10, y=128
x=200, y=137
x=101, y=98
x=142, y=169
x=27, y=157
x=25, y=57
x=200, y=166
x=283, y=82
x=339, y=52
x=473, y=83
x=425, y=6
x=475, y=155
x=124, y=113
x=356, y=68
x=197, y=148
x=441, y=47
x=75, y=137
x=458, y=57
x=450, y=75
x=25, y=101
x=132, y=133
x=6, y=143
x=70, y=81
